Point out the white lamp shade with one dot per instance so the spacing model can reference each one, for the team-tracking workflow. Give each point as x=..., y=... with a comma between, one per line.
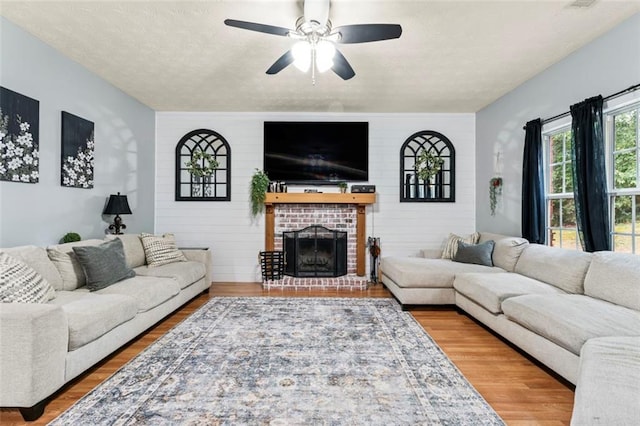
x=325, y=52
x=301, y=52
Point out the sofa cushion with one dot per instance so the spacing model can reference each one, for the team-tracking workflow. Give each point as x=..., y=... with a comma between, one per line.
x=431, y=273
x=608, y=389
x=489, y=291
x=479, y=254
x=451, y=245
x=562, y=268
x=91, y=315
x=614, y=277
x=36, y=257
x=569, y=320
x=65, y=261
x=148, y=292
x=19, y=283
x=161, y=250
x=507, y=251
x=103, y=265
x=133, y=250
x=185, y=273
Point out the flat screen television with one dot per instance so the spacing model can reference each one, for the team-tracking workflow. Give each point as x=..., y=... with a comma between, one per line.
x=316, y=152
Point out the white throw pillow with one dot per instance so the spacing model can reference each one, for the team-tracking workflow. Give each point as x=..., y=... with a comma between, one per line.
x=451, y=246
x=19, y=283
x=161, y=250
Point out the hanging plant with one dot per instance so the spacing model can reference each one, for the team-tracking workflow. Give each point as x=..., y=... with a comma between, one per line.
x=495, y=189
x=259, y=185
x=201, y=164
x=428, y=165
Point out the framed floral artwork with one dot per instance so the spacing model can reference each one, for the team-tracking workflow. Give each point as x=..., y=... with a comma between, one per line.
x=19, y=126
x=77, y=151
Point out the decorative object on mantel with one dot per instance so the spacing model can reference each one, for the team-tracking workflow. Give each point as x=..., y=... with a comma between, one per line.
x=117, y=205
x=427, y=168
x=19, y=129
x=203, y=167
x=495, y=189
x=259, y=185
x=77, y=152
x=343, y=187
x=70, y=237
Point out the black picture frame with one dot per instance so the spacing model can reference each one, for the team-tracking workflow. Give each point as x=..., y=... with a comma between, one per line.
x=19, y=137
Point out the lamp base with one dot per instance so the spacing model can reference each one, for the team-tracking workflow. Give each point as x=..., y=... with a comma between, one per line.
x=117, y=225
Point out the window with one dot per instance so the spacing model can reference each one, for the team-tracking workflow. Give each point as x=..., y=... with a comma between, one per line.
x=622, y=138
x=622, y=133
x=561, y=211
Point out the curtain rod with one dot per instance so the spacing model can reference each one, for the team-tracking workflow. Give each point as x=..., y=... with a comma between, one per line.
x=615, y=95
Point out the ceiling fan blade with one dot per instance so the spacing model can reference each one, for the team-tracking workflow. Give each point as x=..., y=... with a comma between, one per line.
x=261, y=28
x=363, y=33
x=282, y=62
x=342, y=67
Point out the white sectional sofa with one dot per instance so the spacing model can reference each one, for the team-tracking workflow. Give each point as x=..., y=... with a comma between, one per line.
x=547, y=301
x=45, y=345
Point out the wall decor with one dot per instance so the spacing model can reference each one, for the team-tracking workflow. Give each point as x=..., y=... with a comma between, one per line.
x=427, y=168
x=203, y=167
x=77, y=152
x=19, y=147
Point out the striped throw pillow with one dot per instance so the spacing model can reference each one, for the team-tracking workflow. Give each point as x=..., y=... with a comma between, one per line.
x=160, y=250
x=19, y=283
x=451, y=246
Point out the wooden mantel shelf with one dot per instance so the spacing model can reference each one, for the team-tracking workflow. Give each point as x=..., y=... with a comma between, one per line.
x=318, y=198
x=360, y=200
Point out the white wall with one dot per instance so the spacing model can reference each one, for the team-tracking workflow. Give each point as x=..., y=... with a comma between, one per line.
x=236, y=239
x=124, y=154
x=607, y=65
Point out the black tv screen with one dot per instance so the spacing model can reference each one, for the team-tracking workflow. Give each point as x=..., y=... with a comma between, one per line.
x=316, y=152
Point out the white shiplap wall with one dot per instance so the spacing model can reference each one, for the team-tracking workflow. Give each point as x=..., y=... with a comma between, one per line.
x=236, y=239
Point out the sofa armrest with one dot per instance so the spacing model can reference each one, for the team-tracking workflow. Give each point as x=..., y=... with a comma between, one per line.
x=202, y=256
x=34, y=339
x=432, y=253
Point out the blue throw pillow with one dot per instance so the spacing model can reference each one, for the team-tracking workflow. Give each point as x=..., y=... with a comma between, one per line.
x=480, y=254
x=103, y=265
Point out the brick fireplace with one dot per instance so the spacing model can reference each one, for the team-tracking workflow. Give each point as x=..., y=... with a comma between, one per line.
x=287, y=212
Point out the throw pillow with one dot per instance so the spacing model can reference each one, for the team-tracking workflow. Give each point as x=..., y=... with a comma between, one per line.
x=451, y=246
x=104, y=264
x=480, y=254
x=161, y=250
x=19, y=283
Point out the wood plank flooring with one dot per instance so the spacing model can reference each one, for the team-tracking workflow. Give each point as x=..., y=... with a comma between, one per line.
x=522, y=392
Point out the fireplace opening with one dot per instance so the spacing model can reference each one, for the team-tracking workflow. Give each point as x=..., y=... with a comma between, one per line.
x=315, y=251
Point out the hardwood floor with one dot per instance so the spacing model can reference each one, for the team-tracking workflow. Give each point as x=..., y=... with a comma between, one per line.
x=522, y=392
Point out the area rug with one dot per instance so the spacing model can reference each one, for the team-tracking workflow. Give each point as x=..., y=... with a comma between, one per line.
x=288, y=361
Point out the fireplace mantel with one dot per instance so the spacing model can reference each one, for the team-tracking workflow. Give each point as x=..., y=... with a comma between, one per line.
x=360, y=200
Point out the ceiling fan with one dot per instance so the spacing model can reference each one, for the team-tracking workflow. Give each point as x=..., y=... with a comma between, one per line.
x=316, y=39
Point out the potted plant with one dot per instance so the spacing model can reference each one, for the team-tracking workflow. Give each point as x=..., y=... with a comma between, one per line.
x=343, y=187
x=495, y=189
x=259, y=185
x=70, y=237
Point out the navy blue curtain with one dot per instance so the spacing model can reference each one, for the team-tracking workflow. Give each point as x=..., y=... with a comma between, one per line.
x=589, y=174
x=532, y=184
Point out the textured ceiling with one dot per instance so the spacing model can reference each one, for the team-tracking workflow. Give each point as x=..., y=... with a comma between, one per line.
x=453, y=56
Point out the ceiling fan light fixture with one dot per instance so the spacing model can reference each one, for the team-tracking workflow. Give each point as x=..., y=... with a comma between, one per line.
x=325, y=51
x=301, y=52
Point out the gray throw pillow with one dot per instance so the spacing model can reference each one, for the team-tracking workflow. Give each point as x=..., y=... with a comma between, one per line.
x=480, y=254
x=104, y=264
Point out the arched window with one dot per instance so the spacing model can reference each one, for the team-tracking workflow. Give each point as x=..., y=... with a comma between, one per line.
x=427, y=168
x=203, y=167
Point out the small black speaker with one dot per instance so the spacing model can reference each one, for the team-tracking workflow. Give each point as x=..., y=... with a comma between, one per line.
x=363, y=188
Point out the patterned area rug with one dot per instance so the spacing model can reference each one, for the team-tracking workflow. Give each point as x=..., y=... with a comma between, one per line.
x=288, y=361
